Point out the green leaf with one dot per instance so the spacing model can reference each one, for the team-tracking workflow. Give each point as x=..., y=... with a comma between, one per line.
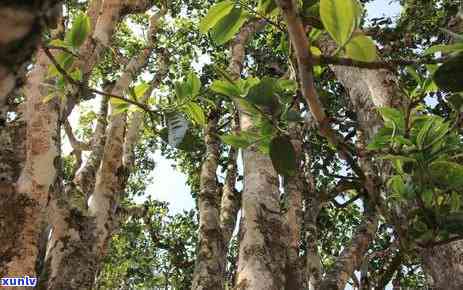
x=361, y=48
x=447, y=174
x=397, y=185
x=455, y=202
x=225, y=88
x=339, y=18
x=266, y=7
x=118, y=106
x=141, y=89
x=449, y=76
x=381, y=139
x=444, y=48
x=283, y=156
x=423, y=133
x=65, y=60
x=194, y=83
x=398, y=161
x=76, y=74
x=182, y=90
x=60, y=43
x=237, y=140
x=287, y=85
x=428, y=196
x=215, y=14
x=79, y=30
x=195, y=113
x=392, y=117
x=263, y=94
x=247, y=106
x=228, y=26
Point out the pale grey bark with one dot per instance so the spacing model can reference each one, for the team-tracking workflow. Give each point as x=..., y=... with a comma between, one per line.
x=262, y=252
x=209, y=268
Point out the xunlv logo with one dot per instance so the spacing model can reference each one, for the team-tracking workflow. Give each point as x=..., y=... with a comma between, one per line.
x=18, y=282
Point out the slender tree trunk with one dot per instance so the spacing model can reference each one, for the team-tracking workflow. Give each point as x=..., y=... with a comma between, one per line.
x=209, y=269
x=262, y=251
x=294, y=187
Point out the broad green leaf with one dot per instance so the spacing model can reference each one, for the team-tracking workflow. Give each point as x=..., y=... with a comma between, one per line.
x=245, y=85
x=246, y=106
x=263, y=93
x=196, y=113
x=215, y=14
x=238, y=141
x=449, y=76
x=412, y=71
x=361, y=48
x=118, y=106
x=225, y=88
x=79, y=30
x=339, y=18
x=182, y=90
x=381, y=139
x=194, y=83
x=398, y=161
x=141, y=89
x=392, y=117
x=447, y=174
x=287, y=85
x=453, y=223
x=456, y=100
x=444, y=48
x=228, y=26
x=283, y=156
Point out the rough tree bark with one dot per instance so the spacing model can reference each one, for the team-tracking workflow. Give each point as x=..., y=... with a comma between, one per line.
x=78, y=242
x=22, y=23
x=294, y=188
x=262, y=252
x=39, y=174
x=209, y=268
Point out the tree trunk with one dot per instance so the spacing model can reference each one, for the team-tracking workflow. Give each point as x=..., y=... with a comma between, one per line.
x=294, y=187
x=262, y=252
x=209, y=269
x=79, y=237
x=22, y=25
x=38, y=177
